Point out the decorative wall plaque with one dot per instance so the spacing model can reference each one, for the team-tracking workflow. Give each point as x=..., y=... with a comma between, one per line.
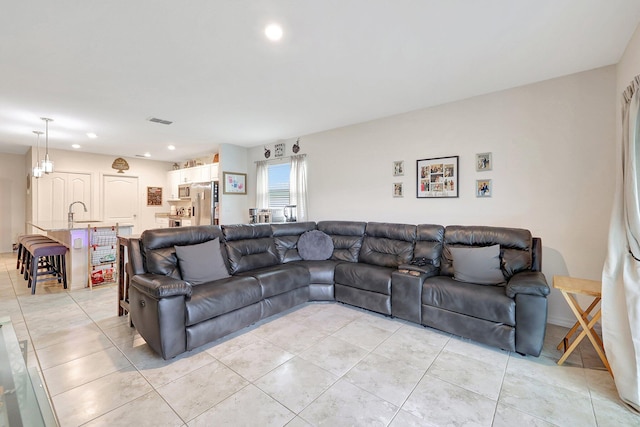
x=120, y=165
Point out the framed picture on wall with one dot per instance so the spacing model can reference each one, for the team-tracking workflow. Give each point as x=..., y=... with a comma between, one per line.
x=437, y=177
x=483, y=188
x=397, y=189
x=483, y=162
x=154, y=196
x=234, y=183
x=398, y=168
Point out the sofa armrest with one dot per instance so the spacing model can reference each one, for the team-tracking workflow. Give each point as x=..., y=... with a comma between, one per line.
x=529, y=283
x=158, y=286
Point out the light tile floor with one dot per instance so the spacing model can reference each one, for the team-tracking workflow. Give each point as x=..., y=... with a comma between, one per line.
x=319, y=364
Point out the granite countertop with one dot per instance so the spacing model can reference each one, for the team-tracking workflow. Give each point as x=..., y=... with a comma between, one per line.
x=77, y=225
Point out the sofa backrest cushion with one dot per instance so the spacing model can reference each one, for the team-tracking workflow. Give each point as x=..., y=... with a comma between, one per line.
x=515, y=246
x=286, y=236
x=347, y=238
x=250, y=246
x=387, y=245
x=201, y=263
x=429, y=243
x=158, y=246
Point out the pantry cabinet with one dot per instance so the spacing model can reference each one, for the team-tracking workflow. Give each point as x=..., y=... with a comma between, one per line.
x=54, y=193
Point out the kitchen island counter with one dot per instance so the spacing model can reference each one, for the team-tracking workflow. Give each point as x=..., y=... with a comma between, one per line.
x=75, y=237
x=48, y=226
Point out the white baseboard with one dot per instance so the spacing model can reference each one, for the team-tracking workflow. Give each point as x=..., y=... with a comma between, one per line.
x=561, y=321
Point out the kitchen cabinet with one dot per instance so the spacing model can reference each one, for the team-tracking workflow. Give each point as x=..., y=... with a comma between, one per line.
x=213, y=172
x=187, y=175
x=201, y=173
x=162, y=222
x=173, y=181
x=54, y=193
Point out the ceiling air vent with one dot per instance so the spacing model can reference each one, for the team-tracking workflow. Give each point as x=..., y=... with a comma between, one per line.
x=157, y=120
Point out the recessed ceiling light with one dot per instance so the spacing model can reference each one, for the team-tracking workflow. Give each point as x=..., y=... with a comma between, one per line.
x=147, y=154
x=171, y=147
x=76, y=146
x=273, y=32
x=92, y=135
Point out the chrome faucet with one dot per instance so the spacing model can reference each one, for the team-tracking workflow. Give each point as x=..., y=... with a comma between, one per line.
x=70, y=215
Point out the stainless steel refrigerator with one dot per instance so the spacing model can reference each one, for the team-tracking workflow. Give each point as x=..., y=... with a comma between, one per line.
x=204, y=201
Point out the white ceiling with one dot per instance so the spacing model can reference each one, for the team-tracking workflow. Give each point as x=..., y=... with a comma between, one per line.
x=107, y=66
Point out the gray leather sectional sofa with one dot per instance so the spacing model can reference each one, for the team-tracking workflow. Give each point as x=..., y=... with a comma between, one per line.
x=411, y=272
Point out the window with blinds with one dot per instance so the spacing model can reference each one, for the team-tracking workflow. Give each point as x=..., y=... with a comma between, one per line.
x=279, y=185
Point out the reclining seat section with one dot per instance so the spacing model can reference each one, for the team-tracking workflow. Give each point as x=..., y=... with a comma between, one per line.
x=367, y=284
x=490, y=313
x=172, y=315
x=252, y=252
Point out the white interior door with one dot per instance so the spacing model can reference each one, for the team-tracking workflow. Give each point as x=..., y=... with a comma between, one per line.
x=120, y=199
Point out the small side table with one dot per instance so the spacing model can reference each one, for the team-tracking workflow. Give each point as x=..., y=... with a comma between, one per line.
x=570, y=286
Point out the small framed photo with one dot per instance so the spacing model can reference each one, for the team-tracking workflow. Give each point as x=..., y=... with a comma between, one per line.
x=398, y=168
x=397, y=189
x=483, y=162
x=154, y=196
x=437, y=177
x=484, y=188
x=234, y=183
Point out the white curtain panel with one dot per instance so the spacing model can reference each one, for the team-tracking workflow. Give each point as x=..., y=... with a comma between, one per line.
x=298, y=186
x=621, y=273
x=262, y=185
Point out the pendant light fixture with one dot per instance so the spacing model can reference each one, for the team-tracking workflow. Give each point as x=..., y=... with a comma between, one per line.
x=37, y=170
x=47, y=164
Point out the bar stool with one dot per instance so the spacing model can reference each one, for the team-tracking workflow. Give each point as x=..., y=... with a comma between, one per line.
x=22, y=253
x=25, y=255
x=48, y=256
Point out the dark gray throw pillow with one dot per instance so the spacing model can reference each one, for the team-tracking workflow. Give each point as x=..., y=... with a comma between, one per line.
x=477, y=265
x=315, y=245
x=202, y=262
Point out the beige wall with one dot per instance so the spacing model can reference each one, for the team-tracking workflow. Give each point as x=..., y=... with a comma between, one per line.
x=234, y=208
x=13, y=191
x=552, y=145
